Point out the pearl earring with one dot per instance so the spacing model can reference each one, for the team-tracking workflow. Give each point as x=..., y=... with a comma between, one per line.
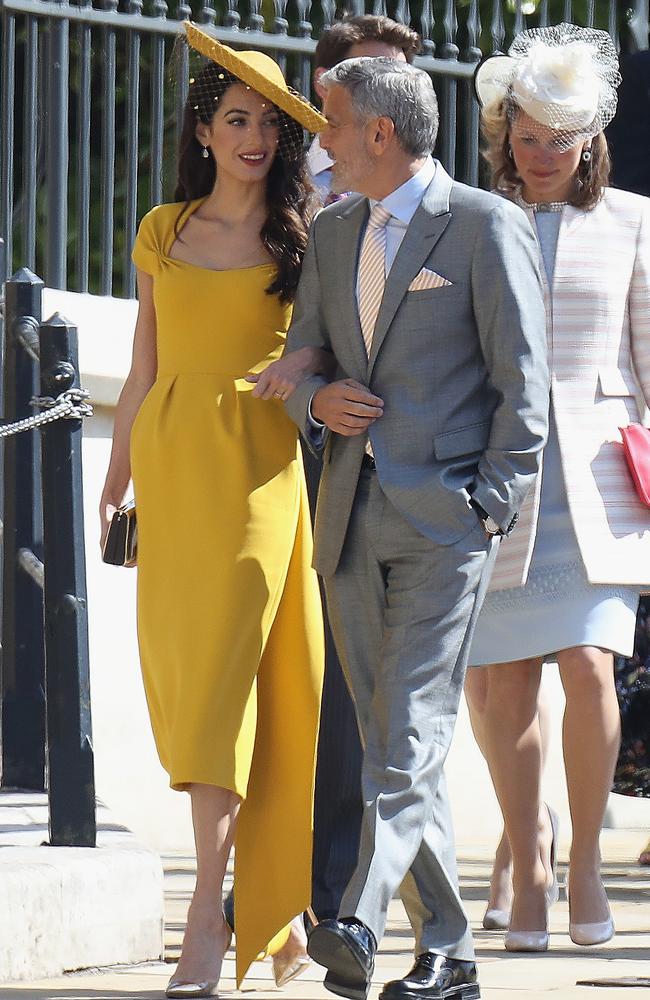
x=205, y=153
x=586, y=155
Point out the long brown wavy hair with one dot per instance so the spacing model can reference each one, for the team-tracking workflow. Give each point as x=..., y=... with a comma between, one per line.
x=289, y=191
x=593, y=177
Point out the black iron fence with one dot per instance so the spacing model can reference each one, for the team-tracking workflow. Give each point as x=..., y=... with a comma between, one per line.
x=89, y=121
x=46, y=737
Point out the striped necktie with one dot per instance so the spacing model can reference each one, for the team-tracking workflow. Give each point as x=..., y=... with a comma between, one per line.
x=372, y=277
x=372, y=272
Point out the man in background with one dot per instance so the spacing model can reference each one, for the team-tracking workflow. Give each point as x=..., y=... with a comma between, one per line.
x=365, y=35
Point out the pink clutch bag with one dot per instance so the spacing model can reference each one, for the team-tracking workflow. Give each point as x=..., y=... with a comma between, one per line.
x=636, y=447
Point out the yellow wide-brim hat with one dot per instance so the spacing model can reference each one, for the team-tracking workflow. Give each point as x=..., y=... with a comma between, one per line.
x=261, y=73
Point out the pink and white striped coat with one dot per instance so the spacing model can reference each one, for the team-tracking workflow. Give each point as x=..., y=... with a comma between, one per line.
x=598, y=326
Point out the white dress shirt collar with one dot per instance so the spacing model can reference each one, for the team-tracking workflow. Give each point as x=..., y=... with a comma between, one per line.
x=317, y=159
x=404, y=201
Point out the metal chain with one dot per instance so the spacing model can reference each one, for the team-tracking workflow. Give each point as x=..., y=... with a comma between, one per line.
x=68, y=405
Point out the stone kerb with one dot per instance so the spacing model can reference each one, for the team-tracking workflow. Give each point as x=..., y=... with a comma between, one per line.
x=72, y=908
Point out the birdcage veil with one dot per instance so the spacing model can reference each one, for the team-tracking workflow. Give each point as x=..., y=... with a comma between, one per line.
x=202, y=70
x=564, y=78
x=200, y=84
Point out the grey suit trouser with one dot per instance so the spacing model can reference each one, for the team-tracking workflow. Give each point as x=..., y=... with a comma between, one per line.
x=402, y=610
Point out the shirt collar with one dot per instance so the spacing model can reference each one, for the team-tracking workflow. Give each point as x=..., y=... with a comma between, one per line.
x=404, y=201
x=317, y=159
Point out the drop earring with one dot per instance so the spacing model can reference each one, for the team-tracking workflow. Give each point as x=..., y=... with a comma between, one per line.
x=205, y=153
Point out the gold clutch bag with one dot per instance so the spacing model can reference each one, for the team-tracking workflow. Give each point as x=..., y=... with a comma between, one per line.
x=121, y=544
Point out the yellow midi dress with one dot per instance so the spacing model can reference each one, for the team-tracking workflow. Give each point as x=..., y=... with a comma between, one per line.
x=229, y=616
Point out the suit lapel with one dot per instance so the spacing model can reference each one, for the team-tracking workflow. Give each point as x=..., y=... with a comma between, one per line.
x=349, y=222
x=425, y=229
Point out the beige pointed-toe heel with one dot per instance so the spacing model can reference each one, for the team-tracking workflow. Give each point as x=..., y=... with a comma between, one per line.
x=185, y=989
x=191, y=991
x=286, y=969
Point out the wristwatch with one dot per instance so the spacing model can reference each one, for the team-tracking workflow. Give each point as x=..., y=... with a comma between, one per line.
x=490, y=525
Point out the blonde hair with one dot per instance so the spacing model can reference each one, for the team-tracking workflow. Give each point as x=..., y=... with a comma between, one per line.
x=496, y=121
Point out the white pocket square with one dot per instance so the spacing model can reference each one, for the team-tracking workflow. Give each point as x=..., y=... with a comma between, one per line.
x=427, y=279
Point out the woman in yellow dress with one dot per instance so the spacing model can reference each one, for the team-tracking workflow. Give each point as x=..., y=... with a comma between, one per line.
x=229, y=618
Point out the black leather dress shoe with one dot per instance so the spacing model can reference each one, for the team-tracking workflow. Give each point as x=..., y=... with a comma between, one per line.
x=435, y=977
x=346, y=948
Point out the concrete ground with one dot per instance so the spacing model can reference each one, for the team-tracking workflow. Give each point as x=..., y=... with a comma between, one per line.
x=503, y=977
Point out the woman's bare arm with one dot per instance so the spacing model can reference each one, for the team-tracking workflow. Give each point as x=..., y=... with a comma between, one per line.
x=282, y=376
x=141, y=377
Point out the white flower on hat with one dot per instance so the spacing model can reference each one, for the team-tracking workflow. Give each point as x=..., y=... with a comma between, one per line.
x=558, y=86
x=563, y=77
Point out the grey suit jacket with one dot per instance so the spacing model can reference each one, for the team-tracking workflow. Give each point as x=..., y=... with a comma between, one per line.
x=462, y=368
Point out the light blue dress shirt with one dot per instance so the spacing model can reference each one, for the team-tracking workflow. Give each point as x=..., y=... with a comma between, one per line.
x=402, y=203
x=320, y=167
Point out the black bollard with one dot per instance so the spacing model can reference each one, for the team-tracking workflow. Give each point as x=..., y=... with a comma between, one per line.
x=71, y=782
x=23, y=664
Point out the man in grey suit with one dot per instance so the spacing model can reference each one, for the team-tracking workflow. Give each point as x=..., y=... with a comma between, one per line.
x=427, y=294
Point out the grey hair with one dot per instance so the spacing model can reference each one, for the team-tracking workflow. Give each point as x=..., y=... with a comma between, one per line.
x=382, y=87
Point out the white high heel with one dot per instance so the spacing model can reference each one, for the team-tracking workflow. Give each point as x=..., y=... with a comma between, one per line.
x=496, y=920
x=499, y=920
x=592, y=933
x=597, y=933
x=526, y=941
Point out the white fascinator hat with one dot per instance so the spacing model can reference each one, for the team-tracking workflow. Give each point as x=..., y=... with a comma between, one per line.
x=563, y=77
